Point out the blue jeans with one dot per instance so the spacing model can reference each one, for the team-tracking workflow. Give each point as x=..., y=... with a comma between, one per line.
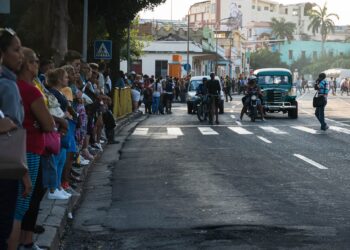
x=49, y=171
x=319, y=113
x=59, y=161
x=155, y=104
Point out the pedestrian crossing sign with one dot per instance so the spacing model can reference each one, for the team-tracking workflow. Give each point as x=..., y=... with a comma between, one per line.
x=103, y=49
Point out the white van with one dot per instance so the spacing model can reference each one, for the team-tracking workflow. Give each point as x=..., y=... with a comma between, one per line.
x=191, y=93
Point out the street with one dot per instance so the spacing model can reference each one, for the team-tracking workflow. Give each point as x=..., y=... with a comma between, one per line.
x=182, y=184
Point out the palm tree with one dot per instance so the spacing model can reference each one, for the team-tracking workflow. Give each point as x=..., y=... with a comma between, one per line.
x=282, y=29
x=321, y=22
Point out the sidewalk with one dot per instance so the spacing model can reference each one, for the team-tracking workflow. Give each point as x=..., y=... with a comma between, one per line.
x=54, y=214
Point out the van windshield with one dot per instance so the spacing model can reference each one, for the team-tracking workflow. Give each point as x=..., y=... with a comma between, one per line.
x=273, y=80
x=194, y=85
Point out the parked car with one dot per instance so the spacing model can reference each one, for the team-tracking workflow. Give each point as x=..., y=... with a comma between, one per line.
x=191, y=97
x=278, y=92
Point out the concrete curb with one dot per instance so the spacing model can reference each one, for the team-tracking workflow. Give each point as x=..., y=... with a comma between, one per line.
x=54, y=214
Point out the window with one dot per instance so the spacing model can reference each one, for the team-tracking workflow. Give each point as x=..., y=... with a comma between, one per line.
x=286, y=11
x=266, y=8
x=341, y=53
x=259, y=8
x=161, y=68
x=290, y=54
x=331, y=54
x=239, y=6
x=295, y=12
x=314, y=55
x=303, y=54
x=253, y=7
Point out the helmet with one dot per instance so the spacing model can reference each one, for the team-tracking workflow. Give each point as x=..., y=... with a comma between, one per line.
x=252, y=79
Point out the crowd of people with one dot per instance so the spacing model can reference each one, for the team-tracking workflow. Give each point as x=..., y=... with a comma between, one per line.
x=71, y=101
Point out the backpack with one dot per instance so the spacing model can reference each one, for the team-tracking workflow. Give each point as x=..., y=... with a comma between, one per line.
x=169, y=87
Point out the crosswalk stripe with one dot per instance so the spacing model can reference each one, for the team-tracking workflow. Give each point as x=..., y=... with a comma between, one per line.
x=264, y=139
x=233, y=116
x=207, y=131
x=273, y=130
x=339, y=129
x=313, y=163
x=174, y=131
x=240, y=130
x=141, y=131
x=305, y=129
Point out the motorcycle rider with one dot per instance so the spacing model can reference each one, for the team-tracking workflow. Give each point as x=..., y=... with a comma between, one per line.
x=252, y=87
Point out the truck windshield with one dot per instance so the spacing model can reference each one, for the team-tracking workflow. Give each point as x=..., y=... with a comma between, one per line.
x=273, y=80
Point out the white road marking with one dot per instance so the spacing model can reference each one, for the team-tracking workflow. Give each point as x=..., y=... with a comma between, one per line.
x=313, y=163
x=339, y=129
x=174, y=131
x=264, y=139
x=305, y=129
x=233, y=116
x=240, y=131
x=239, y=123
x=207, y=131
x=273, y=130
x=141, y=131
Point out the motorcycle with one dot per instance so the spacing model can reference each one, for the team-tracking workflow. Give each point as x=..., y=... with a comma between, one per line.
x=253, y=106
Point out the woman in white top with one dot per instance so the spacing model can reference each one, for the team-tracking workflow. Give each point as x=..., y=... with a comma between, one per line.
x=157, y=90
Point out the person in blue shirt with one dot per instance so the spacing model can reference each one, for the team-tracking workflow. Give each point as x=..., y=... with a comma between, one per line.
x=322, y=87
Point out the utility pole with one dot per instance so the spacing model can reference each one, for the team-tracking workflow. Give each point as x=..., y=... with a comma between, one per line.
x=188, y=43
x=128, y=50
x=85, y=28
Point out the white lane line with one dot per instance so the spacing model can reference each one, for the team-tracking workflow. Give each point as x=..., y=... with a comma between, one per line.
x=174, y=131
x=264, y=139
x=239, y=123
x=207, y=131
x=273, y=130
x=141, y=131
x=339, y=129
x=233, y=116
x=305, y=129
x=313, y=163
x=240, y=131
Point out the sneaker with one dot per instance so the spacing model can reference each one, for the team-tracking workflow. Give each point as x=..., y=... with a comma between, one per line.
x=71, y=191
x=99, y=146
x=57, y=195
x=84, y=162
x=33, y=247
x=62, y=191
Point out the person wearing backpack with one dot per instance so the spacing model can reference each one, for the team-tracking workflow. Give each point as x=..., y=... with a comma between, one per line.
x=169, y=88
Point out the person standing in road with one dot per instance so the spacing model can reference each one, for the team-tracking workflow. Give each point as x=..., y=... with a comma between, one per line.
x=214, y=89
x=322, y=88
x=227, y=87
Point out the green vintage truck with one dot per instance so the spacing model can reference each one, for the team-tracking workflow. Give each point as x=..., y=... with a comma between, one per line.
x=278, y=92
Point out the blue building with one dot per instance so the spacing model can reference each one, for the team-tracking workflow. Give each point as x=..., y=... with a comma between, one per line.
x=292, y=51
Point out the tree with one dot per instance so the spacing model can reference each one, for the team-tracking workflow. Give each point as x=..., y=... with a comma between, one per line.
x=282, y=29
x=266, y=59
x=322, y=22
x=118, y=16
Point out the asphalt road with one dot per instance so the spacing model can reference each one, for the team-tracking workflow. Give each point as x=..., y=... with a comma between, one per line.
x=181, y=184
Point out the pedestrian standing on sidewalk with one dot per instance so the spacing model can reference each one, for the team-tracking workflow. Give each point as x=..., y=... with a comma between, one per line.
x=227, y=88
x=37, y=120
x=11, y=107
x=322, y=88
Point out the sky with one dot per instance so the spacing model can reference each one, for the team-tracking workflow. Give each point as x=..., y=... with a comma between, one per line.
x=180, y=8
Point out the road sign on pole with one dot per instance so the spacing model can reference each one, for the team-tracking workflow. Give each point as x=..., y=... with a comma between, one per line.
x=103, y=49
x=187, y=67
